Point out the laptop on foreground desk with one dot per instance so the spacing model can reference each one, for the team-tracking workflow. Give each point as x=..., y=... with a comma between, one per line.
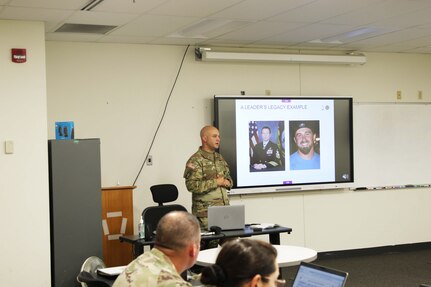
x=227, y=217
x=312, y=275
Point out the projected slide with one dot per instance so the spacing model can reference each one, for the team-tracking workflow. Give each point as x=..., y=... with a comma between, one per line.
x=289, y=141
x=286, y=141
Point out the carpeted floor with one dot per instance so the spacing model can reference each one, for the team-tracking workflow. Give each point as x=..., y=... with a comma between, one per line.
x=382, y=268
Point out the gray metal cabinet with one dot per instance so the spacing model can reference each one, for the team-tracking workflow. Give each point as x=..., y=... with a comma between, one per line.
x=75, y=207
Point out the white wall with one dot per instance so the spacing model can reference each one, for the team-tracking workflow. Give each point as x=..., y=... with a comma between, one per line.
x=342, y=220
x=24, y=197
x=117, y=92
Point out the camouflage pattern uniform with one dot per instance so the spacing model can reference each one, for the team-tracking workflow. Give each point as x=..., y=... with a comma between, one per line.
x=202, y=170
x=152, y=269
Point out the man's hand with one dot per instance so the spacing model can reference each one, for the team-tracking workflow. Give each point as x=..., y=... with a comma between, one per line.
x=221, y=181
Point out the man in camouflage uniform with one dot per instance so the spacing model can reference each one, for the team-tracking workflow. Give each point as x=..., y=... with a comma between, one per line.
x=175, y=250
x=207, y=176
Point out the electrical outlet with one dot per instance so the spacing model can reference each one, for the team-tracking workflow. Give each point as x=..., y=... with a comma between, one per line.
x=150, y=160
x=398, y=95
x=419, y=95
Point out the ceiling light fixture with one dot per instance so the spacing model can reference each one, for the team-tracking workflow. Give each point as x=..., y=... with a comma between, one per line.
x=205, y=54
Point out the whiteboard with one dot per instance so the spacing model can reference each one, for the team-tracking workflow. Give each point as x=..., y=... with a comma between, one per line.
x=391, y=144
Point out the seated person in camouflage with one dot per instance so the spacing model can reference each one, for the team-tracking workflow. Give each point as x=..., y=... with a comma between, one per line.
x=207, y=176
x=175, y=250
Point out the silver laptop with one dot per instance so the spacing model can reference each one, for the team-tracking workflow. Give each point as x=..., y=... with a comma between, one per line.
x=227, y=217
x=310, y=275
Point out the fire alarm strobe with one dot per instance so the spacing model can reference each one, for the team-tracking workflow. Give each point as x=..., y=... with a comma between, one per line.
x=19, y=55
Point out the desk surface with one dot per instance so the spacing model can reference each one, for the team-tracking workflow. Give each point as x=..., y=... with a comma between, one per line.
x=273, y=233
x=246, y=232
x=287, y=255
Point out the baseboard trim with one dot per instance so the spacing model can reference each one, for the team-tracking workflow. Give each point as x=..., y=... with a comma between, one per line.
x=375, y=250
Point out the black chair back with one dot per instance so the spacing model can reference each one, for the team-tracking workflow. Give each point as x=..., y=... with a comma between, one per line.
x=163, y=193
x=153, y=214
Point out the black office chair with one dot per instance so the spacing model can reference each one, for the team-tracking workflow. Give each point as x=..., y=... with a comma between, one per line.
x=162, y=193
x=91, y=280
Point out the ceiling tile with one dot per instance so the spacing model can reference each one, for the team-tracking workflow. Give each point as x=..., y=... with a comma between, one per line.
x=154, y=26
x=128, y=6
x=259, y=10
x=228, y=42
x=382, y=25
x=417, y=18
x=34, y=14
x=73, y=37
x=51, y=4
x=395, y=37
x=208, y=28
x=202, y=8
x=260, y=30
x=359, y=33
x=311, y=32
x=176, y=41
x=125, y=39
x=378, y=12
x=321, y=10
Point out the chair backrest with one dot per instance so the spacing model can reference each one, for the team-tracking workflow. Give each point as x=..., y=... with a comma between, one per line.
x=90, y=280
x=153, y=214
x=163, y=193
x=90, y=265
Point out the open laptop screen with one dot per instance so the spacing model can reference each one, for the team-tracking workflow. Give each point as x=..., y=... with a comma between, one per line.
x=227, y=217
x=311, y=275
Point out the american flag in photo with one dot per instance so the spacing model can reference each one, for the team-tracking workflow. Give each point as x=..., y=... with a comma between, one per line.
x=252, y=132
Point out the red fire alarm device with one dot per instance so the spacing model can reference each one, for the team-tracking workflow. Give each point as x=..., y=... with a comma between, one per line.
x=19, y=55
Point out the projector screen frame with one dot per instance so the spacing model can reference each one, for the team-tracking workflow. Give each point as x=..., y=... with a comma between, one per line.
x=224, y=108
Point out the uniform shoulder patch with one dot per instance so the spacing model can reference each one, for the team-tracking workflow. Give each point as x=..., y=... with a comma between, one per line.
x=191, y=166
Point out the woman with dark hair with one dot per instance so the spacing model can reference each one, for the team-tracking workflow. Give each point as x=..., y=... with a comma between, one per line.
x=244, y=263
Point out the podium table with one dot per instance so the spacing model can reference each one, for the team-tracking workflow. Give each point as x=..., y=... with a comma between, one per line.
x=117, y=220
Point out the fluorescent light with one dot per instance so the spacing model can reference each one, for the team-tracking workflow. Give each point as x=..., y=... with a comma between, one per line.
x=206, y=55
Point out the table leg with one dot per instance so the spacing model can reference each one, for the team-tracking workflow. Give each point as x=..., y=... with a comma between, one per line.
x=274, y=238
x=138, y=249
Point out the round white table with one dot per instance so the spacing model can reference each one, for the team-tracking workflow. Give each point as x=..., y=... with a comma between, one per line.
x=287, y=255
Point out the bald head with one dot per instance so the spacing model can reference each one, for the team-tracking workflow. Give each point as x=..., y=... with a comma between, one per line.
x=177, y=229
x=210, y=138
x=207, y=129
